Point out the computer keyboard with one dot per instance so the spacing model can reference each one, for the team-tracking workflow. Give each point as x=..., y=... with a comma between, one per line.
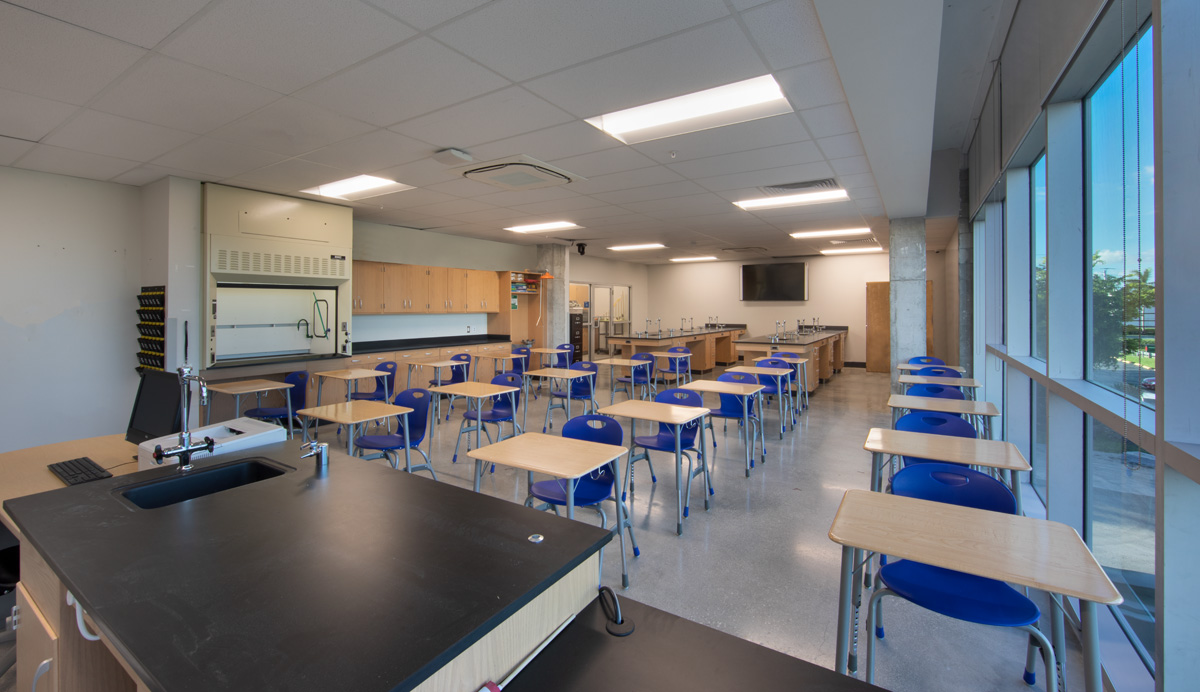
x=76, y=471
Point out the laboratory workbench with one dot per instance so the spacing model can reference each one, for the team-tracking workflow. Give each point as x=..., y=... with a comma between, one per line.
x=825, y=350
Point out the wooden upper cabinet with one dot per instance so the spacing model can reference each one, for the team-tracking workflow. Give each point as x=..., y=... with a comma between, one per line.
x=437, y=300
x=483, y=291
x=369, y=296
x=456, y=290
x=387, y=288
x=405, y=288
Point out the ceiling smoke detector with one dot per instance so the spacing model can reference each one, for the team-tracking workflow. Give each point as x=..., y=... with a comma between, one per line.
x=799, y=188
x=518, y=173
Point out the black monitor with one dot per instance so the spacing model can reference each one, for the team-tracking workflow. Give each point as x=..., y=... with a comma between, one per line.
x=784, y=282
x=156, y=410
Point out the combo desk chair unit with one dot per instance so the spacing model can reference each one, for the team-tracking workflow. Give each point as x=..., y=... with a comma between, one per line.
x=738, y=393
x=294, y=399
x=237, y=389
x=461, y=372
x=384, y=384
x=409, y=433
x=774, y=375
x=502, y=409
x=799, y=363
x=678, y=365
x=640, y=378
x=576, y=388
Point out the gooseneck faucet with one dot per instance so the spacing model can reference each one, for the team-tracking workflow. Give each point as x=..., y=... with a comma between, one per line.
x=185, y=448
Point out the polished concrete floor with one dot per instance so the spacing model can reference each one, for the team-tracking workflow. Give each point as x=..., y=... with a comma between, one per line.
x=759, y=564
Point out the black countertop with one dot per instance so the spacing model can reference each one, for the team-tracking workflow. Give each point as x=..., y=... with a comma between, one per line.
x=365, y=579
x=687, y=333
x=803, y=340
x=429, y=342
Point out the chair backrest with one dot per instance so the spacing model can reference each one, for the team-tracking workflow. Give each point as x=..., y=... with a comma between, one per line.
x=936, y=391
x=926, y=360
x=681, y=397
x=581, y=387
x=418, y=421
x=938, y=371
x=786, y=354
x=596, y=428
x=679, y=349
x=774, y=363
x=386, y=382
x=459, y=373
x=511, y=401
x=299, y=391
x=519, y=364
x=739, y=377
x=563, y=360
x=936, y=424
x=641, y=370
x=732, y=402
x=956, y=485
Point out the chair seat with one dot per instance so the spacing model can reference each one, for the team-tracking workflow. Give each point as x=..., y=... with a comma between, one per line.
x=563, y=395
x=368, y=396
x=265, y=412
x=380, y=441
x=490, y=415
x=962, y=596
x=662, y=442
x=587, y=492
x=728, y=413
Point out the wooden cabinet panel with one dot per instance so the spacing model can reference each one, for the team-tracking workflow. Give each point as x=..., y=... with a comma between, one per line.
x=437, y=299
x=456, y=291
x=368, y=292
x=483, y=291
x=36, y=642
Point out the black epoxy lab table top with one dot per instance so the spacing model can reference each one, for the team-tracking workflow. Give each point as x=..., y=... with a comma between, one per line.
x=367, y=579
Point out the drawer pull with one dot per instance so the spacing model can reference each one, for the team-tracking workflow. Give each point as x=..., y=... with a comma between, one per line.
x=83, y=630
x=42, y=669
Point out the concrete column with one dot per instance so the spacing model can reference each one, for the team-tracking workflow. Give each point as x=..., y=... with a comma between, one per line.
x=554, y=259
x=906, y=248
x=966, y=295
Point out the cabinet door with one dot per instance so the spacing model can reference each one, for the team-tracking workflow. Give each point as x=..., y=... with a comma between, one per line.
x=368, y=293
x=456, y=291
x=437, y=300
x=416, y=288
x=395, y=288
x=36, y=642
x=483, y=291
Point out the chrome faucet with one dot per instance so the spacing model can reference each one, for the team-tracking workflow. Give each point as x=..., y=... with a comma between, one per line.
x=692, y=323
x=682, y=322
x=648, y=321
x=185, y=448
x=320, y=450
x=660, y=326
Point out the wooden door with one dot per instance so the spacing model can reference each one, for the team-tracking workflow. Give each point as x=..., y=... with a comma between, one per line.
x=879, y=325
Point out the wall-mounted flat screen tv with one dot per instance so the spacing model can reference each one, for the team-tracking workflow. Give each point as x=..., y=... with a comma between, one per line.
x=787, y=281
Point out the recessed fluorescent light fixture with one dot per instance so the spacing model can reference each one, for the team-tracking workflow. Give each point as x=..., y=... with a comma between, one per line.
x=852, y=251
x=541, y=227
x=739, y=102
x=358, y=187
x=647, y=246
x=831, y=234
x=692, y=259
x=793, y=200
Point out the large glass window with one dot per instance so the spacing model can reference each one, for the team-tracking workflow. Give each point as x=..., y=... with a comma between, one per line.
x=1037, y=224
x=1120, y=514
x=1119, y=118
x=1038, y=426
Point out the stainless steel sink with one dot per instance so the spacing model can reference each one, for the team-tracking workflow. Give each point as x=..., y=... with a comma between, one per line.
x=180, y=487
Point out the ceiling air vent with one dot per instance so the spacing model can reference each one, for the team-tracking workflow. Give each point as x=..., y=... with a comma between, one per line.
x=518, y=173
x=749, y=248
x=799, y=188
x=858, y=242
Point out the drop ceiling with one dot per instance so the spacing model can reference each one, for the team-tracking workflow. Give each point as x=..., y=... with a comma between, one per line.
x=284, y=96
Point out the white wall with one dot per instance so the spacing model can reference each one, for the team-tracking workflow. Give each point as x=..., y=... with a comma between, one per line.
x=837, y=291
x=380, y=243
x=68, y=295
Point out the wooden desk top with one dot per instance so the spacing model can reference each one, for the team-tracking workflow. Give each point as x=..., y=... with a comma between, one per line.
x=787, y=359
x=548, y=350
x=561, y=373
x=1032, y=552
x=735, y=388
x=654, y=411
x=439, y=364
x=960, y=450
x=928, y=403
x=562, y=457
x=23, y=471
x=354, y=412
x=473, y=390
x=351, y=374
x=918, y=366
x=942, y=381
x=668, y=354
x=248, y=386
x=755, y=370
x=502, y=356
x=622, y=362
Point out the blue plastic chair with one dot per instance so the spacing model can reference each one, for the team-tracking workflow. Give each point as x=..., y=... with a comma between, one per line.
x=298, y=395
x=384, y=384
x=520, y=365
x=640, y=378
x=563, y=360
x=590, y=490
x=458, y=373
x=664, y=441
x=783, y=390
x=679, y=367
x=938, y=371
x=955, y=594
x=418, y=423
x=502, y=408
x=936, y=424
x=936, y=391
x=733, y=407
x=801, y=383
x=926, y=360
x=580, y=389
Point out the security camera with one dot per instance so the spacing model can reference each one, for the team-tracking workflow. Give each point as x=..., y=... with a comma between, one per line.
x=581, y=247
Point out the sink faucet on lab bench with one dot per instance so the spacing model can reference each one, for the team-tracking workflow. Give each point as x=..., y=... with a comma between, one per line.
x=185, y=448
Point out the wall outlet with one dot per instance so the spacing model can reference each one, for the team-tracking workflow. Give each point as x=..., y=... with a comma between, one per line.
x=468, y=329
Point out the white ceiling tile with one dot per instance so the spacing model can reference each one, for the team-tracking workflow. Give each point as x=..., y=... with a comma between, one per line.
x=642, y=177
x=811, y=85
x=461, y=187
x=773, y=176
x=371, y=152
x=54, y=60
x=756, y=134
x=554, y=206
x=863, y=193
x=493, y=216
x=407, y=199
x=640, y=194
x=841, y=146
x=142, y=175
x=30, y=117
x=112, y=135
x=702, y=58
x=511, y=198
x=742, y=161
x=604, y=162
x=167, y=92
x=70, y=162
x=452, y=207
x=420, y=173
x=740, y=5
x=558, y=142
x=788, y=32
x=217, y=158
x=285, y=45
x=522, y=39
x=416, y=78
x=851, y=165
x=292, y=175
x=856, y=180
x=505, y=113
x=291, y=127
x=141, y=22
x=12, y=149
x=597, y=214
x=401, y=217
x=426, y=14
x=681, y=207
x=826, y=121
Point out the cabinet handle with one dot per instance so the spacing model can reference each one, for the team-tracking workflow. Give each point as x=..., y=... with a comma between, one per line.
x=42, y=669
x=83, y=630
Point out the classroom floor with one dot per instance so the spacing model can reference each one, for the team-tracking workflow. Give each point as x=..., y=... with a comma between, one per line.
x=759, y=564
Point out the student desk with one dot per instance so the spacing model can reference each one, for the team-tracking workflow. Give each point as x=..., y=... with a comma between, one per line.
x=351, y=376
x=497, y=358
x=256, y=387
x=548, y=352
x=985, y=410
x=746, y=392
x=967, y=384
x=676, y=417
x=437, y=365
x=354, y=413
x=883, y=443
x=613, y=364
x=476, y=392
x=679, y=371
x=1037, y=553
x=785, y=393
x=801, y=372
x=556, y=374
x=912, y=367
